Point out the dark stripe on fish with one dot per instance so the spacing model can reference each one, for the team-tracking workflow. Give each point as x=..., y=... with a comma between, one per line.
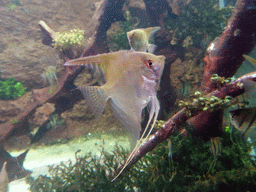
x=243, y=119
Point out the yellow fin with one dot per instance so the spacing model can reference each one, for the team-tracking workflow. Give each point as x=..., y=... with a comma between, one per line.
x=138, y=39
x=151, y=30
x=247, y=57
x=102, y=60
x=215, y=146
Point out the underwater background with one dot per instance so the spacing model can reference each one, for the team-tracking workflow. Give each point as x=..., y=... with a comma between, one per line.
x=84, y=153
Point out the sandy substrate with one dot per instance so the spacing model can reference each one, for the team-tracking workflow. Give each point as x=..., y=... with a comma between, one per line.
x=39, y=158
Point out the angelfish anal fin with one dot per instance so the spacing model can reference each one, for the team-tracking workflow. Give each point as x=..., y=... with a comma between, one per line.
x=95, y=98
x=130, y=125
x=154, y=110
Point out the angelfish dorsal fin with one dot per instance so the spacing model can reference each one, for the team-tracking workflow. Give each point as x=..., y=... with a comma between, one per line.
x=95, y=59
x=101, y=60
x=151, y=30
x=95, y=98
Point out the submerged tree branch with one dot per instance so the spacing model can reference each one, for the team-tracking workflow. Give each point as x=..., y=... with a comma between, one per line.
x=233, y=89
x=224, y=58
x=225, y=55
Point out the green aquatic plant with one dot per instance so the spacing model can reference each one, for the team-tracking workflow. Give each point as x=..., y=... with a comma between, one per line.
x=88, y=173
x=72, y=39
x=12, y=4
x=49, y=76
x=179, y=164
x=14, y=121
x=200, y=22
x=117, y=38
x=221, y=80
x=55, y=121
x=200, y=102
x=11, y=89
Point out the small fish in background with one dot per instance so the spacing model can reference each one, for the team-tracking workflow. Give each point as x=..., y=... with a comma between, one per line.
x=215, y=147
x=50, y=77
x=14, y=166
x=139, y=39
x=132, y=78
x=250, y=86
x=245, y=121
x=4, y=180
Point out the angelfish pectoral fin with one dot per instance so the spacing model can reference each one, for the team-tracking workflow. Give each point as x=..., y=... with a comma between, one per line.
x=95, y=98
x=154, y=111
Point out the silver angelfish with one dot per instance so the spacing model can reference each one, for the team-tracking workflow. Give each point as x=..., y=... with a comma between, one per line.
x=132, y=80
x=139, y=39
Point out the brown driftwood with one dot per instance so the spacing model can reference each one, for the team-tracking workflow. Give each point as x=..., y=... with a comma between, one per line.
x=65, y=94
x=155, y=10
x=173, y=125
x=224, y=59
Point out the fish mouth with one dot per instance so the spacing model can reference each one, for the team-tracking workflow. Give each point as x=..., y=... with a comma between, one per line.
x=153, y=74
x=153, y=78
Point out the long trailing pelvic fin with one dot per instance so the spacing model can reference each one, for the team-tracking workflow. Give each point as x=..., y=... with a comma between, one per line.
x=154, y=111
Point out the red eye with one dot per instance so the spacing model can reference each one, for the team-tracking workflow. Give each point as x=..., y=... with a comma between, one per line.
x=149, y=63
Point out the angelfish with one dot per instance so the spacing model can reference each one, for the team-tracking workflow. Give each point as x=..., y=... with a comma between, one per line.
x=132, y=79
x=138, y=39
x=244, y=120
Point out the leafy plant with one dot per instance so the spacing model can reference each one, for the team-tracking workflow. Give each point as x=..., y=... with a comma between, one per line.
x=11, y=89
x=12, y=4
x=89, y=173
x=73, y=38
x=182, y=164
x=201, y=21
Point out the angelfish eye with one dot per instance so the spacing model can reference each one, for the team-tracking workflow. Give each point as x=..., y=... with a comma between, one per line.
x=149, y=63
